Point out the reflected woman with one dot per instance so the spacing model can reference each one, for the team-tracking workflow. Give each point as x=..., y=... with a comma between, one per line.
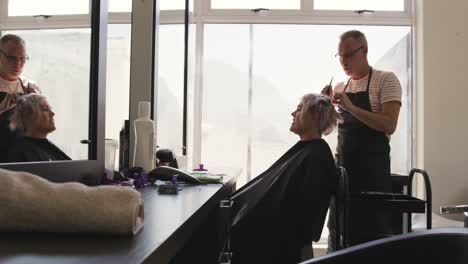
x=34, y=118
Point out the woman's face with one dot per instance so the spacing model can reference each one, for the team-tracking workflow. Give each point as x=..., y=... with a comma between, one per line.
x=42, y=122
x=301, y=122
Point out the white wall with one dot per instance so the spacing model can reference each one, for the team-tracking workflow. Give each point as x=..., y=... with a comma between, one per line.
x=441, y=122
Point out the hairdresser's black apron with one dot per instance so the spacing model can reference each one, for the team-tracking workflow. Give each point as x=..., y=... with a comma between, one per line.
x=365, y=153
x=6, y=135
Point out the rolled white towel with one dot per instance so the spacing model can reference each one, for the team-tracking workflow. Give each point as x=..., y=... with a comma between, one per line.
x=31, y=203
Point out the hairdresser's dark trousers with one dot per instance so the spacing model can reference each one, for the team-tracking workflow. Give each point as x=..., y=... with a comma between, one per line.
x=365, y=154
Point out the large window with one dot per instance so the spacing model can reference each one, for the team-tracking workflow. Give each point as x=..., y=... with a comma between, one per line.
x=269, y=61
x=225, y=89
x=249, y=77
x=247, y=71
x=170, y=94
x=300, y=61
x=118, y=78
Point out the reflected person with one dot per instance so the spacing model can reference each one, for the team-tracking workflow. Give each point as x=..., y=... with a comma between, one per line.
x=12, y=60
x=34, y=117
x=278, y=214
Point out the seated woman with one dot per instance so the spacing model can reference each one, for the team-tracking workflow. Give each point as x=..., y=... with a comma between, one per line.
x=33, y=117
x=277, y=215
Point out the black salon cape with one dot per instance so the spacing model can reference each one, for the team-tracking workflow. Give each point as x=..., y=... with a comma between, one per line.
x=26, y=149
x=284, y=208
x=6, y=135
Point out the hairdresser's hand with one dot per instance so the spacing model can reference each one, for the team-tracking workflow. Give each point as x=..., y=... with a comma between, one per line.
x=327, y=91
x=342, y=100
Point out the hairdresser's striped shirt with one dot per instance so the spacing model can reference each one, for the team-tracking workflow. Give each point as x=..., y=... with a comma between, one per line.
x=10, y=90
x=384, y=87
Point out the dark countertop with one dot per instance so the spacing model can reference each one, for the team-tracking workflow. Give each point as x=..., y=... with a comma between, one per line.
x=169, y=222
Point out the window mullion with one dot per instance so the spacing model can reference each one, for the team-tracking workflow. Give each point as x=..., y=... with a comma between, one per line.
x=409, y=7
x=206, y=6
x=249, y=104
x=171, y=17
x=120, y=18
x=198, y=95
x=307, y=5
x=3, y=12
x=90, y=9
x=199, y=9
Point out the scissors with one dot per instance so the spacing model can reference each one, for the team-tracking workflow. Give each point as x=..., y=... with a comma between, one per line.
x=329, y=87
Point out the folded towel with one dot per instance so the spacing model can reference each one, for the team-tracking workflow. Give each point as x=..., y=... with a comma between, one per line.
x=31, y=203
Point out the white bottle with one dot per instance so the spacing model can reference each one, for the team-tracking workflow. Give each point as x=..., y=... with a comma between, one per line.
x=144, y=150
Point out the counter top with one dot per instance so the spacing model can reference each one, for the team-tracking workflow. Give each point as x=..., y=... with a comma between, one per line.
x=169, y=222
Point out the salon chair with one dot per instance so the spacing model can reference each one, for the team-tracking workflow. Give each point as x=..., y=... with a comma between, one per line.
x=390, y=205
x=447, y=245
x=340, y=199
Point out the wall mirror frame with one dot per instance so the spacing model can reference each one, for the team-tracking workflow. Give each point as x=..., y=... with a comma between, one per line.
x=86, y=171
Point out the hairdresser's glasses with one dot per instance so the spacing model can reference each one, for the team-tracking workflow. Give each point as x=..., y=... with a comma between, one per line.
x=14, y=59
x=349, y=54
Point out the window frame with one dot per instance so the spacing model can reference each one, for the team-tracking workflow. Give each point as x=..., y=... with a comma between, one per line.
x=55, y=21
x=308, y=15
x=204, y=14
x=85, y=171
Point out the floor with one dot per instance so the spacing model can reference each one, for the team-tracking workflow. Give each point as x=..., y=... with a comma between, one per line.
x=320, y=250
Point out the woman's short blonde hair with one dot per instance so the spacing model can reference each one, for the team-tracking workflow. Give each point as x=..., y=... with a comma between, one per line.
x=317, y=104
x=26, y=105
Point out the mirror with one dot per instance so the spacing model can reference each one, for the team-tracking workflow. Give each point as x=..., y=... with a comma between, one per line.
x=59, y=62
x=76, y=61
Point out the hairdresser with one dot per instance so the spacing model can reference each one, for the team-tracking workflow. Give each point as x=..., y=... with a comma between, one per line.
x=13, y=57
x=369, y=104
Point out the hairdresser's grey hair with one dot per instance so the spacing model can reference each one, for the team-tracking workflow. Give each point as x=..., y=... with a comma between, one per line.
x=26, y=105
x=355, y=34
x=13, y=38
x=321, y=105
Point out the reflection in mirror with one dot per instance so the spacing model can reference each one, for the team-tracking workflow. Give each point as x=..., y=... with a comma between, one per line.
x=69, y=66
x=56, y=63
x=34, y=117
